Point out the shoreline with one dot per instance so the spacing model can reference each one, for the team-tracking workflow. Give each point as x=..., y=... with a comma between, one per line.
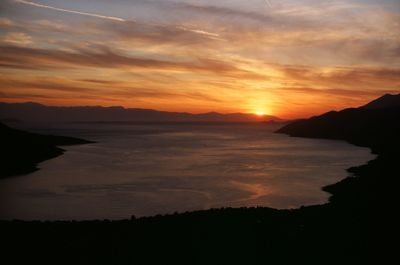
x=342, y=231
x=327, y=188
x=22, y=151
x=76, y=141
x=317, y=194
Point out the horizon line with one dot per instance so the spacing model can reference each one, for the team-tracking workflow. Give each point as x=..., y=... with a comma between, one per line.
x=134, y=108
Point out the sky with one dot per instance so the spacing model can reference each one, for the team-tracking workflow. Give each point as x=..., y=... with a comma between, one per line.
x=288, y=58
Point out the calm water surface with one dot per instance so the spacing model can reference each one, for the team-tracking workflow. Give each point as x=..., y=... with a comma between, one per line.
x=158, y=169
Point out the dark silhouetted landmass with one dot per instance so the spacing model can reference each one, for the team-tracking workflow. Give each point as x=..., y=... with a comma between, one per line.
x=375, y=125
x=36, y=112
x=370, y=194
x=357, y=226
x=310, y=236
x=21, y=151
x=372, y=125
x=384, y=102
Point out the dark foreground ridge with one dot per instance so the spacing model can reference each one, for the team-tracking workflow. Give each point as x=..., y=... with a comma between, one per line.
x=355, y=227
x=21, y=151
x=375, y=125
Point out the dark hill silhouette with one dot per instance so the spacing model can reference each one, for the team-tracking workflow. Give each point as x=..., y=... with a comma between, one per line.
x=358, y=225
x=21, y=151
x=386, y=101
x=375, y=125
x=37, y=112
x=369, y=125
x=370, y=194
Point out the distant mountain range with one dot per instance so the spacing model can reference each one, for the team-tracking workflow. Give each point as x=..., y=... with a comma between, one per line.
x=36, y=112
x=376, y=125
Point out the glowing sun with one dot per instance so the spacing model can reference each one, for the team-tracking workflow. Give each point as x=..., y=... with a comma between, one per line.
x=259, y=113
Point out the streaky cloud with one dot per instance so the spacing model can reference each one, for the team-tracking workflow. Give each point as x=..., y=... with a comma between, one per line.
x=102, y=57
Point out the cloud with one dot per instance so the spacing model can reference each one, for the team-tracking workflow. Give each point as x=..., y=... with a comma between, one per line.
x=347, y=81
x=103, y=57
x=317, y=34
x=158, y=35
x=284, y=37
x=6, y=22
x=43, y=24
x=339, y=92
x=53, y=84
x=24, y=95
x=17, y=38
x=219, y=15
x=182, y=28
x=55, y=87
x=187, y=50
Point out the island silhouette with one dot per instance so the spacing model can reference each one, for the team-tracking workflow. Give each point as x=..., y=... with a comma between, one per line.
x=357, y=226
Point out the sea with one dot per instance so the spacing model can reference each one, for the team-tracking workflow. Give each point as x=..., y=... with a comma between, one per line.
x=146, y=169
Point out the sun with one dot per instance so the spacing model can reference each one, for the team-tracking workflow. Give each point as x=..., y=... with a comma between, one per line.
x=259, y=113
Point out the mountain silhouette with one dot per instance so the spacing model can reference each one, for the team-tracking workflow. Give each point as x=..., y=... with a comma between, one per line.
x=375, y=125
x=37, y=112
x=386, y=101
x=21, y=151
x=369, y=196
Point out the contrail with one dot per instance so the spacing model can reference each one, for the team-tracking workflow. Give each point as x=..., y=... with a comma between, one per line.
x=197, y=31
x=69, y=10
x=268, y=3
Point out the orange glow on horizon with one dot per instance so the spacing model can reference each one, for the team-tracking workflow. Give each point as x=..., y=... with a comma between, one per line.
x=291, y=111
x=236, y=64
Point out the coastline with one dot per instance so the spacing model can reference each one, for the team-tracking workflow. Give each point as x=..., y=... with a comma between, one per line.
x=22, y=151
x=355, y=227
x=258, y=231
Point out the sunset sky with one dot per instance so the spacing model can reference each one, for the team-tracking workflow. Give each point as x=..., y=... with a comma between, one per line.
x=289, y=58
